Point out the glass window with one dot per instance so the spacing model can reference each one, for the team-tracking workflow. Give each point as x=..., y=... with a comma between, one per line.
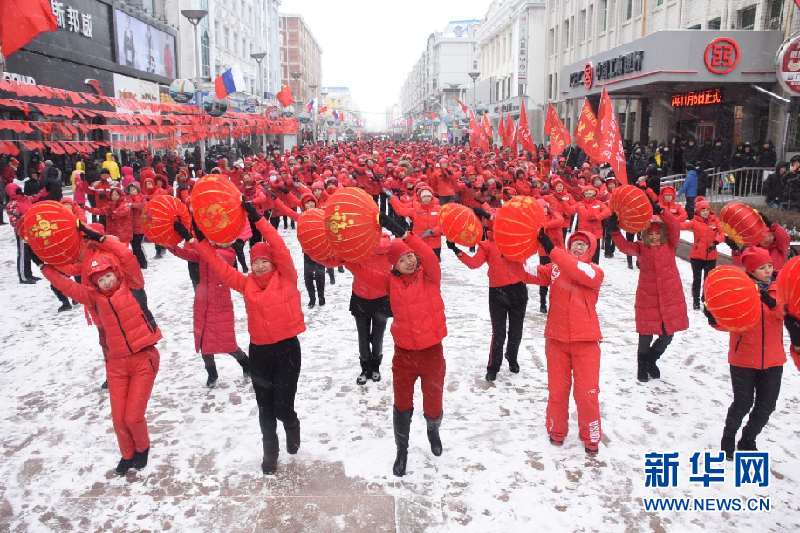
x=774, y=14
x=694, y=27
x=602, y=15
x=582, y=26
x=589, y=20
x=714, y=24
x=746, y=18
x=205, y=55
x=628, y=9
x=565, y=35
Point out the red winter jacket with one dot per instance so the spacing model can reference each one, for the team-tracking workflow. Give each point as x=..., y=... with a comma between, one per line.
x=444, y=182
x=137, y=203
x=416, y=301
x=590, y=216
x=423, y=217
x=119, y=219
x=574, y=289
x=659, y=294
x=779, y=249
x=707, y=234
x=553, y=225
x=564, y=204
x=502, y=271
x=213, y=308
x=671, y=206
x=762, y=345
x=125, y=323
x=272, y=300
x=371, y=275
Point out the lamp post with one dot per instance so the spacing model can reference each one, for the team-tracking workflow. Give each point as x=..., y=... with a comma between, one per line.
x=194, y=16
x=323, y=95
x=314, y=108
x=474, y=75
x=259, y=56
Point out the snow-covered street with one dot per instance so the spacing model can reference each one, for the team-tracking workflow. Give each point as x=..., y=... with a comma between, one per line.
x=498, y=471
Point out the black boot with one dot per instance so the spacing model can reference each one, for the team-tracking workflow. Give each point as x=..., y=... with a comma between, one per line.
x=513, y=366
x=211, y=368
x=727, y=446
x=402, y=425
x=243, y=361
x=696, y=304
x=270, y=462
x=123, y=466
x=490, y=375
x=292, y=437
x=375, y=374
x=642, y=365
x=139, y=460
x=312, y=302
x=363, y=377
x=652, y=367
x=433, y=435
x=746, y=444
x=65, y=306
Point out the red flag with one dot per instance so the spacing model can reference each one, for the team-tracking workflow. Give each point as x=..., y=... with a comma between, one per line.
x=465, y=109
x=587, y=132
x=512, y=134
x=523, y=132
x=284, y=96
x=501, y=131
x=611, y=150
x=474, y=131
x=22, y=20
x=488, y=132
x=558, y=133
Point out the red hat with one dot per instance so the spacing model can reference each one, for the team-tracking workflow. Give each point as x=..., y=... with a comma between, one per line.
x=588, y=239
x=397, y=249
x=259, y=250
x=702, y=204
x=101, y=263
x=754, y=257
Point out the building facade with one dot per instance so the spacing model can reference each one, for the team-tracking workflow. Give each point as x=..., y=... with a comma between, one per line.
x=301, y=59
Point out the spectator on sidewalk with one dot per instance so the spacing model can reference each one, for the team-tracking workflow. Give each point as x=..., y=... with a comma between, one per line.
x=774, y=184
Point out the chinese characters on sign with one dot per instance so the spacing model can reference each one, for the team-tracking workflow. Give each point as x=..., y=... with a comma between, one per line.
x=70, y=19
x=697, y=98
x=788, y=65
x=522, y=58
x=722, y=55
x=609, y=69
x=751, y=468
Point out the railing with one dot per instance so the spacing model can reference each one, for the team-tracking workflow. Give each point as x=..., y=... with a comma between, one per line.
x=727, y=185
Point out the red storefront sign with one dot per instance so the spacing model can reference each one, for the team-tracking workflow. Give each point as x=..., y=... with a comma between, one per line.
x=588, y=76
x=697, y=98
x=788, y=65
x=722, y=55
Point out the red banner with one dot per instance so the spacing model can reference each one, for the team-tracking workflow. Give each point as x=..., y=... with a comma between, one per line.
x=587, y=131
x=558, y=133
x=611, y=150
x=523, y=134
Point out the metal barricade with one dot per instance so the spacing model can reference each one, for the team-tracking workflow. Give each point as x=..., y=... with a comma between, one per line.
x=727, y=185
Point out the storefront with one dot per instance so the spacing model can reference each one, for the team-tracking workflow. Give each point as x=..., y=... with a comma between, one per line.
x=690, y=83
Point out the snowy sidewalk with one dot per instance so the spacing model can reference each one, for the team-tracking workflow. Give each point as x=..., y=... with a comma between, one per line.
x=498, y=472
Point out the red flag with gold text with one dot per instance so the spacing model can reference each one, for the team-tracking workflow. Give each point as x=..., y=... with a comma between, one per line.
x=523, y=133
x=558, y=133
x=611, y=150
x=587, y=131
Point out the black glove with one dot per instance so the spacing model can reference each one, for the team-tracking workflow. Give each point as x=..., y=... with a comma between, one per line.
x=793, y=327
x=768, y=300
x=38, y=262
x=613, y=223
x=546, y=242
x=252, y=214
x=730, y=242
x=90, y=233
x=482, y=213
x=452, y=246
x=182, y=230
x=198, y=234
x=711, y=320
x=398, y=227
x=657, y=209
x=712, y=247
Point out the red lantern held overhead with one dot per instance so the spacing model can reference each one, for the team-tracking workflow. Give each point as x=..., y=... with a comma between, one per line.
x=159, y=215
x=789, y=286
x=742, y=223
x=460, y=224
x=312, y=237
x=516, y=228
x=217, y=208
x=633, y=208
x=51, y=230
x=732, y=299
x=351, y=224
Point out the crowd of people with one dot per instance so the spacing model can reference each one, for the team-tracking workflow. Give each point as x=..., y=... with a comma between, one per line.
x=401, y=279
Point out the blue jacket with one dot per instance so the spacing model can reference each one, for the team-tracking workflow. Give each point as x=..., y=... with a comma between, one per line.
x=689, y=187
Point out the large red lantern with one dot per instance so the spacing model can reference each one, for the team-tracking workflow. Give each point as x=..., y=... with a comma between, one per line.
x=516, y=228
x=217, y=208
x=159, y=216
x=51, y=229
x=732, y=298
x=633, y=208
x=460, y=224
x=789, y=285
x=742, y=223
x=312, y=237
x=351, y=224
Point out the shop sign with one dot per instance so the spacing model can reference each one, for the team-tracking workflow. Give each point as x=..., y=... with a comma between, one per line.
x=722, y=55
x=70, y=19
x=509, y=107
x=788, y=65
x=522, y=57
x=19, y=78
x=608, y=69
x=697, y=98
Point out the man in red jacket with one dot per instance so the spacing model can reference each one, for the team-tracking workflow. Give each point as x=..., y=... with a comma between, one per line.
x=572, y=336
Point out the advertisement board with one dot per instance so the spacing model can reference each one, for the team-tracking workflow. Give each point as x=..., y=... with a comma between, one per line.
x=143, y=47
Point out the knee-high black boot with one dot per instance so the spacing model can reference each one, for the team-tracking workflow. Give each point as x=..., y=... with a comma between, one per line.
x=402, y=425
x=243, y=361
x=211, y=368
x=433, y=434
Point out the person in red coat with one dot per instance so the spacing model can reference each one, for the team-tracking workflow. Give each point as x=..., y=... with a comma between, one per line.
x=756, y=358
x=418, y=328
x=117, y=213
x=776, y=241
x=137, y=203
x=213, y=312
x=572, y=336
x=707, y=233
x=115, y=298
x=660, y=304
x=424, y=215
x=274, y=320
x=666, y=199
x=591, y=213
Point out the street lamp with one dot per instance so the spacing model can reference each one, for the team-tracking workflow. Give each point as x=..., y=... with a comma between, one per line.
x=195, y=16
x=474, y=75
x=259, y=56
x=314, y=108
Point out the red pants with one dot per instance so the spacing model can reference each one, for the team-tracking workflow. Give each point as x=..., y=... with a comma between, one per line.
x=429, y=366
x=581, y=361
x=130, y=381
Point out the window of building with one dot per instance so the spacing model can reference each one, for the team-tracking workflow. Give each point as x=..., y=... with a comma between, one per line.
x=549, y=86
x=205, y=55
x=694, y=27
x=551, y=40
x=773, y=15
x=565, y=35
x=611, y=11
x=227, y=39
x=582, y=26
x=589, y=20
x=746, y=18
x=714, y=24
x=628, y=9
x=602, y=15
x=659, y=2
x=571, y=31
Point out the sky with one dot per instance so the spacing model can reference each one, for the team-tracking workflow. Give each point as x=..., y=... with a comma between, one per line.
x=371, y=45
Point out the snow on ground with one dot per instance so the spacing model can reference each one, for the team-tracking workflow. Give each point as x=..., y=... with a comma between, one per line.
x=498, y=472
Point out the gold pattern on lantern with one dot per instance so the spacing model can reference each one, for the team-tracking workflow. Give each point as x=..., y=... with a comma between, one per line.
x=338, y=222
x=43, y=229
x=213, y=216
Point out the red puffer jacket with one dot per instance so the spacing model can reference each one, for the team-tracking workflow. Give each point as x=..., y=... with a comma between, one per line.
x=659, y=294
x=137, y=203
x=564, y=204
x=779, y=249
x=502, y=271
x=272, y=300
x=423, y=217
x=119, y=218
x=416, y=301
x=553, y=225
x=762, y=345
x=707, y=234
x=213, y=308
x=590, y=216
x=123, y=319
x=371, y=275
x=673, y=207
x=574, y=289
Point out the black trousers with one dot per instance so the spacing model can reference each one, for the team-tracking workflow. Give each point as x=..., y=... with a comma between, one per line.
x=331, y=275
x=629, y=237
x=690, y=207
x=23, y=260
x=275, y=221
x=596, y=258
x=700, y=270
x=543, y=260
x=274, y=370
x=507, y=305
x=751, y=384
x=194, y=273
x=608, y=244
x=238, y=247
x=370, y=340
x=60, y=295
x=136, y=246
x=314, y=277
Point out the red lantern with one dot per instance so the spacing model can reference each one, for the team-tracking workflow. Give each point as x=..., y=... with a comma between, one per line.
x=789, y=285
x=312, y=237
x=742, y=223
x=633, y=208
x=460, y=224
x=217, y=208
x=732, y=298
x=516, y=228
x=159, y=215
x=351, y=224
x=51, y=229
